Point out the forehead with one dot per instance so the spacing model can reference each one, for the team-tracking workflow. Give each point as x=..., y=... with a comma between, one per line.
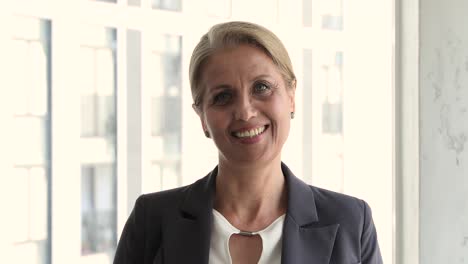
x=245, y=61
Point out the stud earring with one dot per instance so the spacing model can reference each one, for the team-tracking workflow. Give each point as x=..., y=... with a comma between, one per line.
x=207, y=134
x=292, y=115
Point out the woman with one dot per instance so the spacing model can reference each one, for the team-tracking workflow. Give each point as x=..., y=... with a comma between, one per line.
x=250, y=208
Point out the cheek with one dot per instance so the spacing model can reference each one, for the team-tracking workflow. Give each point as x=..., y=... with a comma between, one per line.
x=215, y=122
x=281, y=108
x=281, y=114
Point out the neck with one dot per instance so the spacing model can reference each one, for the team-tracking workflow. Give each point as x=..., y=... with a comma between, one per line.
x=252, y=196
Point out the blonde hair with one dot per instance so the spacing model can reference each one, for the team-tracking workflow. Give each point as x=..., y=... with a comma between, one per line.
x=233, y=34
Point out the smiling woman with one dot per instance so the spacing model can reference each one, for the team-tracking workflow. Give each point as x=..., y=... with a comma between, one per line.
x=250, y=208
x=244, y=93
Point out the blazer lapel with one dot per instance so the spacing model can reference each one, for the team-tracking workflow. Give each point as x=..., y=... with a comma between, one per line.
x=305, y=238
x=189, y=238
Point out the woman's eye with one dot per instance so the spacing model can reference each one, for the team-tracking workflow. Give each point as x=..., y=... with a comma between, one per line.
x=222, y=98
x=261, y=88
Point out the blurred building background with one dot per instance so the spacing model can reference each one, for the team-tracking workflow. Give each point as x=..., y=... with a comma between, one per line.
x=97, y=110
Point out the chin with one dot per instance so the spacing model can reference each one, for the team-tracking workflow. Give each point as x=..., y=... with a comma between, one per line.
x=248, y=159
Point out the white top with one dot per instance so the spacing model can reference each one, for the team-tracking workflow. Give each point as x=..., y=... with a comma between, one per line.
x=223, y=230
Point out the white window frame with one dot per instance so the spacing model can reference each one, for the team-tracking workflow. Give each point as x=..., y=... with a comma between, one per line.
x=406, y=139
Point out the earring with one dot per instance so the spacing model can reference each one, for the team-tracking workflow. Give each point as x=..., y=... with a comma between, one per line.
x=292, y=115
x=207, y=134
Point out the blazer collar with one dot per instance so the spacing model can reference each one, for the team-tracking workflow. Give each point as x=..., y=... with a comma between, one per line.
x=199, y=199
x=188, y=234
x=301, y=201
x=305, y=238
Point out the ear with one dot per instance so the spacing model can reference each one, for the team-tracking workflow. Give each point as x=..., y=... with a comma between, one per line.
x=292, y=96
x=200, y=115
x=196, y=109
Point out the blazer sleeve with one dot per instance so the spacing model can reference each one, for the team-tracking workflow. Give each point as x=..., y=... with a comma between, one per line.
x=370, y=251
x=130, y=248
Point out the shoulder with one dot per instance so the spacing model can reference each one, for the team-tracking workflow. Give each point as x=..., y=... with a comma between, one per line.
x=356, y=226
x=163, y=204
x=329, y=201
x=324, y=206
x=168, y=203
x=151, y=209
x=163, y=199
x=333, y=207
x=152, y=213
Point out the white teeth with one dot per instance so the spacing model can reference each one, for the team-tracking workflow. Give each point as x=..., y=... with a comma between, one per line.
x=250, y=133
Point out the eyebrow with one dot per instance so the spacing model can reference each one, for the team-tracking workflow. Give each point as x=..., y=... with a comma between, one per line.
x=219, y=87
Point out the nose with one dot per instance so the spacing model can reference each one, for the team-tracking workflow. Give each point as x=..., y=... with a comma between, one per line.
x=244, y=108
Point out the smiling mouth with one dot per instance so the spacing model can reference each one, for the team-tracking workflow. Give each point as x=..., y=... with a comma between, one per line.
x=250, y=133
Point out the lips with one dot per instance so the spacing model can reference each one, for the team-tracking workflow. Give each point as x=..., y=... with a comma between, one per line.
x=249, y=133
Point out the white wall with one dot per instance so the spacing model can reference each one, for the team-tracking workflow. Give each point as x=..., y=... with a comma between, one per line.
x=443, y=77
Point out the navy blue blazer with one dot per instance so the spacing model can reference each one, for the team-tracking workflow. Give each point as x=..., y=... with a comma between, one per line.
x=321, y=227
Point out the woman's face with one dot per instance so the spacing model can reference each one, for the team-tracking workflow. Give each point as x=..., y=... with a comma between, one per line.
x=246, y=105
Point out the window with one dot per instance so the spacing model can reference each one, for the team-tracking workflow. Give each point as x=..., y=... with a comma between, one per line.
x=117, y=113
x=98, y=85
x=98, y=208
x=172, y=5
x=31, y=125
x=219, y=8
x=98, y=140
x=332, y=14
x=163, y=175
x=107, y=1
x=329, y=12
x=323, y=86
x=166, y=91
x=346, y=140
x=165, y=84
x=332, y=106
